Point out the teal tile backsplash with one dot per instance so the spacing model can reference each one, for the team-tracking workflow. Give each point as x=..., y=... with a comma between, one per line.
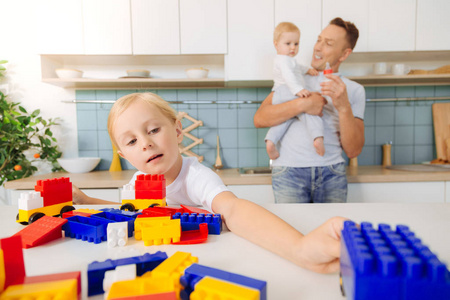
x=407, y=124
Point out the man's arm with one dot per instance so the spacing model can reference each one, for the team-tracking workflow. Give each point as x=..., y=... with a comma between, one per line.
x=269, y=114
x=351, y=128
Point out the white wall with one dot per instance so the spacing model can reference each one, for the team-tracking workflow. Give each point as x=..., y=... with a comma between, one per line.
x=18, y=45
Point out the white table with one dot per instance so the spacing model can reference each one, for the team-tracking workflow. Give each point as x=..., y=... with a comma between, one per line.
x=430, y=222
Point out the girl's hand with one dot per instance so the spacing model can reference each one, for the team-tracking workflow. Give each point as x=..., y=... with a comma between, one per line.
x=312, y=72
x=78, y=197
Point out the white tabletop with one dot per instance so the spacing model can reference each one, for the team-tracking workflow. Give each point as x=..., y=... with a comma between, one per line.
x=228, y=252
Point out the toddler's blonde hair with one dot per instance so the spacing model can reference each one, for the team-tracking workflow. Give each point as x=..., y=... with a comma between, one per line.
x=284, y=27
x=124, y=102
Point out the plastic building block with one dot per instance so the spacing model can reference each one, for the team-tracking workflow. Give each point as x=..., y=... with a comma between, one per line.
x=131, y=214
x=172, y=268
x=196, y=272
x=14, y=267
x=55, y=191
x=121, y=273
x=96, y=270
x=150, y=182
x=62, y=289
x=191, y=221
x=2, y=272
x=42, y=231
x=53, y=277
x=117, y=234
x=157, y=231
x=85, y=212
x=161, y=211
x=128, y=192
x=387, y=264
x=160, y=296
x=212, y=288
x=30, y=200
x=193, y=209
x=92, y=230
x=144, y=203
x=194, y=236
x=139, y=287
x=117, y=218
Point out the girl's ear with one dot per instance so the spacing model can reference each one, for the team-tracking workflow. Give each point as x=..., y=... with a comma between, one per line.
x=120, y=153
x=179, y=129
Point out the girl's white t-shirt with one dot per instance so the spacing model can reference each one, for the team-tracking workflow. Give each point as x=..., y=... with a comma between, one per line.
x=196, y=185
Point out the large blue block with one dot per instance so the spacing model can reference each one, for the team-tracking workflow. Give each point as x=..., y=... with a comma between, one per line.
x=194, y=273
x=88, y=229
x=116, y=211
x=117, y=218
x=387, y=264
x=192, y=221
x=96, y=270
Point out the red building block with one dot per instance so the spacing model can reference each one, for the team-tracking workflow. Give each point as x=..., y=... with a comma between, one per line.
x=13, y=259
x=42, y=231
x=150, y=182
x=55, y=191
x=194, y=236
x=159, y=211
x=75, y=213
x=150, y=194
x=192, y=209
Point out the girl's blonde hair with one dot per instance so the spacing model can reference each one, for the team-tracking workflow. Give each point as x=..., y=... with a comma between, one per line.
x=124, y=102
x=282, y=28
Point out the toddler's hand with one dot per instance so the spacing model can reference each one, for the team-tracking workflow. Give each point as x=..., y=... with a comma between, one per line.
x=312, y=72
x=304, y=93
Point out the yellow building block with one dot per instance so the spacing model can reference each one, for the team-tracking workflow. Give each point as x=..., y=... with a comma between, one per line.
x=88, y=210
x=144, y=203
x=212, y=288
x=51, y=210
x=157, y=231
x=2, y=272
x=173, y=267
x=146, y=285
x=144, y=222
x=55, y=290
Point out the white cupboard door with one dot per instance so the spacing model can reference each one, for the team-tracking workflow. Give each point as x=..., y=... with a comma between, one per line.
x=203, y=26
x=107, y=26
x=392, y=25
x=433, y=24
x=307, y=15
x=155, y=26
x=355, y=11
x=60, y=27
x=250, y=40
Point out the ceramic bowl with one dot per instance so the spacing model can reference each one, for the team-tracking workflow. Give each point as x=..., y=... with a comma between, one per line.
x=69, y=73
x=138, y=73
x=196, y=73
x=79, y=164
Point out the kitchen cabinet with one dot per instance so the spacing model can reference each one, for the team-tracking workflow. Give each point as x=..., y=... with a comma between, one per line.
x=307, y=16
x=259, y=194
x=203, y=26
x=398, y=192
x=107, y=27
x=250, y=40
x=59, y=27
x=433, y=24
x=156, y=26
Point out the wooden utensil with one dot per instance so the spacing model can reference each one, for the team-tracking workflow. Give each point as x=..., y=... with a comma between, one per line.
x=441, y=122
x=218, y=165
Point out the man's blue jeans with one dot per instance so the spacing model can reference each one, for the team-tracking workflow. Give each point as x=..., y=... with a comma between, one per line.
x=310, y=185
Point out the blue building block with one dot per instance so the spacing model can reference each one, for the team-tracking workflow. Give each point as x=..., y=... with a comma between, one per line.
x=192, y=221
x=117, y=218
x=96, y=270
x=194, y=273
x=88, y=229
x=387, y=264
x=126, y=213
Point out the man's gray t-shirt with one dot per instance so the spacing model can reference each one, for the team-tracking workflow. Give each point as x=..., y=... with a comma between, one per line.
x=296, y=147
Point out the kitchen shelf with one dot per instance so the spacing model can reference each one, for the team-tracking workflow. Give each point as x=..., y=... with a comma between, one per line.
x=393, y=80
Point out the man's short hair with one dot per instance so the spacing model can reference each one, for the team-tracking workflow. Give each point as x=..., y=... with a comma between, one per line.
x=350, y=28
x=282, y=28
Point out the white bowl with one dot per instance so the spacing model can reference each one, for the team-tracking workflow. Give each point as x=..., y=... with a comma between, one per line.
x=69, y=73
x=138, y=73
x=196, y=73
x=79, y=164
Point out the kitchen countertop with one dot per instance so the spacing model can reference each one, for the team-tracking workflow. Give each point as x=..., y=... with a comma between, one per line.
x=106, y=179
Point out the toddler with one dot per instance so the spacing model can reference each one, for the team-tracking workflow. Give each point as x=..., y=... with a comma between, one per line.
x=287, y=72
x=146, y=132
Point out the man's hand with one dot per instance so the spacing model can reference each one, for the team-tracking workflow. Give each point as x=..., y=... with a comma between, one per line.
x=321, y=248
x=313, y=105
x=337, y=91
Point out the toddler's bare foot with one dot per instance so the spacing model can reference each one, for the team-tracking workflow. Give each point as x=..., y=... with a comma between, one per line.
x=272, y=150
x=318, y=144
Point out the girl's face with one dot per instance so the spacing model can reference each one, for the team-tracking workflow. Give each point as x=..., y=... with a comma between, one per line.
x=149, y=140
x=288, y=44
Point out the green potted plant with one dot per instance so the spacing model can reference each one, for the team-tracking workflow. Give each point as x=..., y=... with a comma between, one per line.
x=22, y=133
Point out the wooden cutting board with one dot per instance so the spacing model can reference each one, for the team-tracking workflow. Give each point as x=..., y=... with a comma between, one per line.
x=441, y=122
